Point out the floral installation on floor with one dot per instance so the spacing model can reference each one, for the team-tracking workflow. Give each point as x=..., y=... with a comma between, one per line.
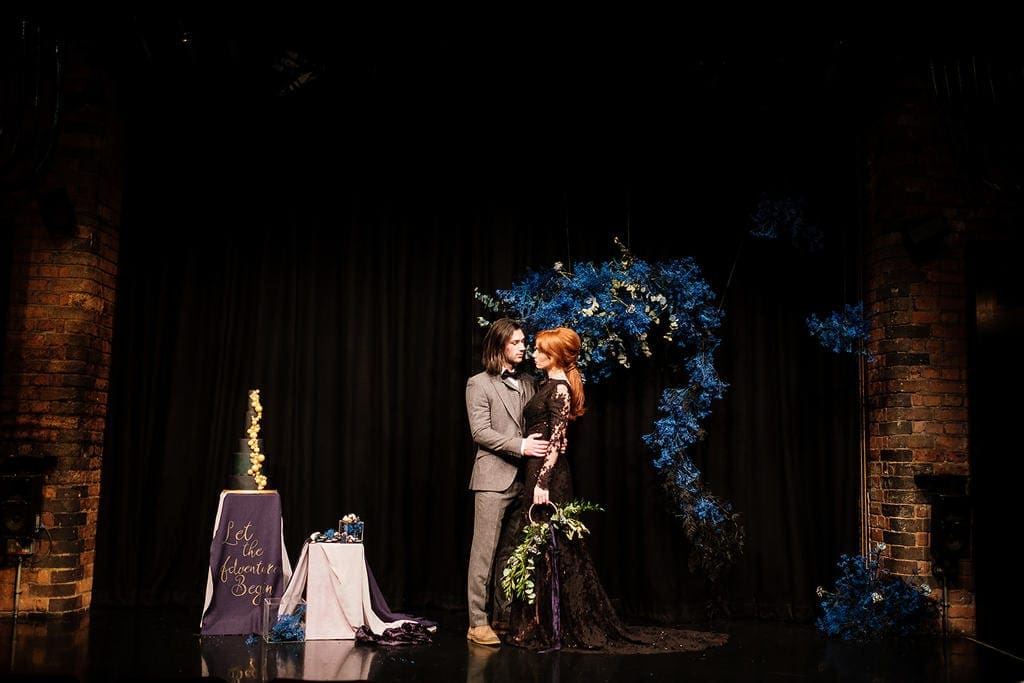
x=869, y=603
x=620, y=308
x=517, y=576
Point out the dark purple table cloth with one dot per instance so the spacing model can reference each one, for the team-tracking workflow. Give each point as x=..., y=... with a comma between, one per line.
x=248, y=562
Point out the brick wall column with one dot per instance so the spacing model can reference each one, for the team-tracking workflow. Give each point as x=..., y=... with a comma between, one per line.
x=916, y=299
x=57, y=349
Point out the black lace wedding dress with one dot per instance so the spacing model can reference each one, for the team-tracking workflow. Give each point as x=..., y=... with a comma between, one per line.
x=571, y=609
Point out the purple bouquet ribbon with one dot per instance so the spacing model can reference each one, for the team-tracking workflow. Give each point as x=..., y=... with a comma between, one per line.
x=556, y=615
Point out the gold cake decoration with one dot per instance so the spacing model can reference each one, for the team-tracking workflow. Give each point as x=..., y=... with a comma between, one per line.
x=252, y=431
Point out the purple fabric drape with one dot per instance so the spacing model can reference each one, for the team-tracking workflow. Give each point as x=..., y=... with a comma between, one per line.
x=556, y=601
x=381, y=608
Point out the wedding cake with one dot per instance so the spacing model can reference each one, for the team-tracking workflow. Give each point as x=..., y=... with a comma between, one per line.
x=248, y=469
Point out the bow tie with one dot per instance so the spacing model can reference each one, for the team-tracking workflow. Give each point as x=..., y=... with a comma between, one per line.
x=509, y=374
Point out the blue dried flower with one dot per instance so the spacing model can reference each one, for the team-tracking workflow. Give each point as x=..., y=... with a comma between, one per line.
x=290, y=627
x=869, y=603
x=845, y=331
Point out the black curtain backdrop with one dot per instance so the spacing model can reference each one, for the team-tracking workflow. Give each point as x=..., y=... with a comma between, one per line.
x=326, y=251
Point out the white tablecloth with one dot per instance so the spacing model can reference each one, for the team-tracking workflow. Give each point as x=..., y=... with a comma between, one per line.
x=333, y=578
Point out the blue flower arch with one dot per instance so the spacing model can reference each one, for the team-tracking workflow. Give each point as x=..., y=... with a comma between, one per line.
x=619, y=308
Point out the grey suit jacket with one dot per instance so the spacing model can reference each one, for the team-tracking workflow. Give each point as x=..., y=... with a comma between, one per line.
x=495, y=410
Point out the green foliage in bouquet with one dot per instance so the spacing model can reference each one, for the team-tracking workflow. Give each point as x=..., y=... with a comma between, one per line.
x=517, y=577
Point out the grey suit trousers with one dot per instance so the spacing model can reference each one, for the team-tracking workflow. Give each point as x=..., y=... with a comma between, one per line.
x=489, y=513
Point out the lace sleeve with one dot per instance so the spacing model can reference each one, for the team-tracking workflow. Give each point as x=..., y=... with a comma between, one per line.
x=558, y=407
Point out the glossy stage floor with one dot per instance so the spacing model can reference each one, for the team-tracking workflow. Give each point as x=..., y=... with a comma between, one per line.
x=163, y=645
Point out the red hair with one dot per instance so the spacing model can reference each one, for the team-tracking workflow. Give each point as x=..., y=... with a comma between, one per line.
x=562, y=344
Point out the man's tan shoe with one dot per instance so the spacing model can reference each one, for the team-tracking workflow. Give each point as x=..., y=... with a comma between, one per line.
x=483, y=635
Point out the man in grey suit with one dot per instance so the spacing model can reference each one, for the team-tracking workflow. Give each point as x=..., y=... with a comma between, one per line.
x=494, y=405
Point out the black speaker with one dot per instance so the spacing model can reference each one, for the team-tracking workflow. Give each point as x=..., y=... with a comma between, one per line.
x=21, y=498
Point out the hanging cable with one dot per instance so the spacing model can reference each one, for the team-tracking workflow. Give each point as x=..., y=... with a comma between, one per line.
x=31, y=103
x=565, y=207
x=732, y=271
x=628, y=219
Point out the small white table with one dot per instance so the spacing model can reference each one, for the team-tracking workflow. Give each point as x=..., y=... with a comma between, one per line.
x=334, y=580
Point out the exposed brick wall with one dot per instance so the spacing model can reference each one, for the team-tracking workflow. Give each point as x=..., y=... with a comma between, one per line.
x=916, y=298
x=57, y=350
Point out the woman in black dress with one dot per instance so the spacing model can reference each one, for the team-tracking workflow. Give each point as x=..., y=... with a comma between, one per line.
x=580, y=614
x=570, y=609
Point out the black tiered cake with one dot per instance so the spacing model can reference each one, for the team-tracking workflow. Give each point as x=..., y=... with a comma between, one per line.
x=248, y=471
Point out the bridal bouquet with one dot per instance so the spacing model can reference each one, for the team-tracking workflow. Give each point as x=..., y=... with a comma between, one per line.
x=517, y=577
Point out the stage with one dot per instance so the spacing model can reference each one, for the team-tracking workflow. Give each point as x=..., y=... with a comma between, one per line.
x=165, y=645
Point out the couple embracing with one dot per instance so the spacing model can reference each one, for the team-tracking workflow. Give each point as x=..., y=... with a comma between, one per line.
x=518, y=423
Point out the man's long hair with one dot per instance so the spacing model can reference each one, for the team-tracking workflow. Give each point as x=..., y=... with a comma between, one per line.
x=498, y=334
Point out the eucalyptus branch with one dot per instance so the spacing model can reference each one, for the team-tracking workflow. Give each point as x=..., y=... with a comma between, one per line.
x=517, y=577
